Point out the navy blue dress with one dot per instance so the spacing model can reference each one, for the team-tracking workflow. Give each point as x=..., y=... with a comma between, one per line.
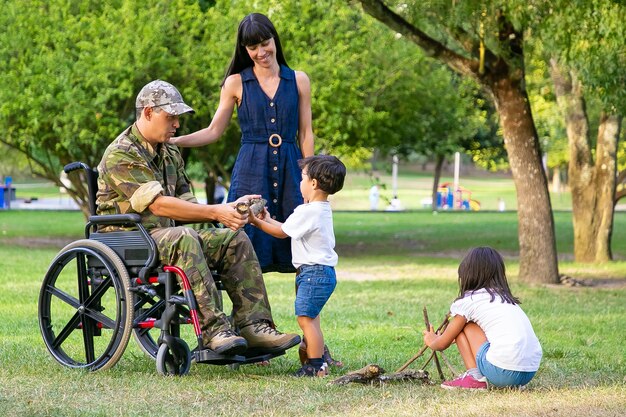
x=271, y=171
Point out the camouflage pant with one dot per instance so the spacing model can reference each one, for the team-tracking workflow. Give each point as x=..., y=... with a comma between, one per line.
x=197, y=252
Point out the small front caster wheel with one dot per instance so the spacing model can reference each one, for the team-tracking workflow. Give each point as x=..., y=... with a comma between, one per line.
x=175, y=361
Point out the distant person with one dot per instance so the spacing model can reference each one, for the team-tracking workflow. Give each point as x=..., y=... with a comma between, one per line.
x=493, y=335
x=274, y=111
x=219, y=195
x=374, y=196
x=501, y=205
x=312, y=245
x=141, y=173
x=395, y=205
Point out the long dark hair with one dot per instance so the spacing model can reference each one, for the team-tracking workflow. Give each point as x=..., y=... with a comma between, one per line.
x=483, y=267
x=253, y=29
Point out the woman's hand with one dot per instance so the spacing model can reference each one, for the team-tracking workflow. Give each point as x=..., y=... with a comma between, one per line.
x=245, y=199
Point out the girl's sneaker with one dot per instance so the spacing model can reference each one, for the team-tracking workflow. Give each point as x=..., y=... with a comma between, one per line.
x=466, y=381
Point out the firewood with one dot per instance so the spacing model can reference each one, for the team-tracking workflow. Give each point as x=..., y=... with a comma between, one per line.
x=366, y=375
x=410, y=375
x=373, y=374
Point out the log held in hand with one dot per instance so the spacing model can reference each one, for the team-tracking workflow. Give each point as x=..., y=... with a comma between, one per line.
x=434, y=355
x=441, y=327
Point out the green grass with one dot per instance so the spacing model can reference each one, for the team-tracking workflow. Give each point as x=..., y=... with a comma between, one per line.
x=391, y=265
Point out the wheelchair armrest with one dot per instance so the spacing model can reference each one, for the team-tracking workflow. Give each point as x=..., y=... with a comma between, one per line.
x=115, y=219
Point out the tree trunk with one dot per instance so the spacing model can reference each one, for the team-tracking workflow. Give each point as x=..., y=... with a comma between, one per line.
x=592, y=185
x=538, y=259
x=620, y=187
x=438, y=167
x=209, y=189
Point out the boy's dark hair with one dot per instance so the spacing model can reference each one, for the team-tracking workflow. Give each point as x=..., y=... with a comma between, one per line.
x=253, y=29
x=328, y=170
x=483, y=267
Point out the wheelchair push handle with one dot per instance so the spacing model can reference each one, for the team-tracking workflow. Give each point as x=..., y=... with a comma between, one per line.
x=73, y=166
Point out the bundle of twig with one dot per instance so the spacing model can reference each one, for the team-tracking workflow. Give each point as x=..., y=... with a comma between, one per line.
x=374, y=374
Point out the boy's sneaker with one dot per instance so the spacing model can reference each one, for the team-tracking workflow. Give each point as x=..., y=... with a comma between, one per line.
x=466, y=381
x=326, y=356
x=310, y=371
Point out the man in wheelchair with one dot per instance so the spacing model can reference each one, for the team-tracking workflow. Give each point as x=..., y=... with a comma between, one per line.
x=141, y=173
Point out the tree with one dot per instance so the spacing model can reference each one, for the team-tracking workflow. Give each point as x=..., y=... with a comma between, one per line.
x=73, y=70
x=74, y=67
x=592, y=183
x=481, y=41
x=587, y=67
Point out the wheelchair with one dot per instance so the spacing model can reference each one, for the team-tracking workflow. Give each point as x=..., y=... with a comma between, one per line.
x=101, y=289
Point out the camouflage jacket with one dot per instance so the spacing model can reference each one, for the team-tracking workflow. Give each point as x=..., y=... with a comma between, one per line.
x=132, y=173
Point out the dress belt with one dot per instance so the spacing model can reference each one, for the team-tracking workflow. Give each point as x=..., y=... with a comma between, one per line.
x=274, y=140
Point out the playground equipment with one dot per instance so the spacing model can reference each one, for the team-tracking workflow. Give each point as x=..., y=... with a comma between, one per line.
x=460, y=199
x=7, y=193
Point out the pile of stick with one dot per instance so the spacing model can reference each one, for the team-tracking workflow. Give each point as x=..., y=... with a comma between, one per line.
x=433, y=355
x=374, y=374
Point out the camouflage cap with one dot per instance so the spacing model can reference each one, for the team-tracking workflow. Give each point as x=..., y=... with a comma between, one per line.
x=159, y=93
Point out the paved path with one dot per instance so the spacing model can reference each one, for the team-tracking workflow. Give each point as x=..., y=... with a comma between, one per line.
x=58, y=203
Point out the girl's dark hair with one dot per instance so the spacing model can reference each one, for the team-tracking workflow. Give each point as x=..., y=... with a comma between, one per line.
x=483, y=267
x=253, y=29
x=328, y=170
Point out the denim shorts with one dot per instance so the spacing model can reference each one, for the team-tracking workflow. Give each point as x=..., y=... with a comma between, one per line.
x=497, y=376
x=314, y=285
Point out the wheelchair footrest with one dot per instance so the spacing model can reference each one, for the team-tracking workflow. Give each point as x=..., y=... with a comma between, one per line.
x=211, y=357
x=253, y=356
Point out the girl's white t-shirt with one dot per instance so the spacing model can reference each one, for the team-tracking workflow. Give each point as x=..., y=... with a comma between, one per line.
x=514, y=345
x=310, y=227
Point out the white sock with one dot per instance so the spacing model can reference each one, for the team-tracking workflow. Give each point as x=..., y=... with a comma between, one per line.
x=475, y=373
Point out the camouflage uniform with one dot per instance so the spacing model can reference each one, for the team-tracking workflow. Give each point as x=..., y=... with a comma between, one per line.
x=132, y=174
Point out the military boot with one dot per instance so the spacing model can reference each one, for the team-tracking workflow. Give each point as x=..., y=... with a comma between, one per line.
x=263, y=337
x=228, y=343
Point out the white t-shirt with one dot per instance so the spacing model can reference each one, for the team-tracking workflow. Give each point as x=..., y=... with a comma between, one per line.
x=514, y=345
x=310, y=227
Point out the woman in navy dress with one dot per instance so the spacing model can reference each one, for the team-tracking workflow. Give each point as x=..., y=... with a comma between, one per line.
x=274, y=110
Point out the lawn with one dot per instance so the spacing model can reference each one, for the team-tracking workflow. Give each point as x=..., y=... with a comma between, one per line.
x=391, y=265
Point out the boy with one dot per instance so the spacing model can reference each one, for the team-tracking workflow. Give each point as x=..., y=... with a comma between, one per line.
x=312, y=245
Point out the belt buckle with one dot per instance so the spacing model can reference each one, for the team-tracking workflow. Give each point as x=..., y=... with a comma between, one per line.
x=271, y=140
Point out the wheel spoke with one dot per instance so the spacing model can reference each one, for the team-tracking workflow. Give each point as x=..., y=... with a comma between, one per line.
x=88, y=334
x=63, y=296
x=83, y=279
x=71, y=325
x=98, y=317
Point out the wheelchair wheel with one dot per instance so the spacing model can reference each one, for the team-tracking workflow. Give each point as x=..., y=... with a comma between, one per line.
x=176, y=361
x=85, y=306
x=146, y=341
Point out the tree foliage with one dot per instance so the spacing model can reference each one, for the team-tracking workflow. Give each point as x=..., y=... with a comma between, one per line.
x=74, y=67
